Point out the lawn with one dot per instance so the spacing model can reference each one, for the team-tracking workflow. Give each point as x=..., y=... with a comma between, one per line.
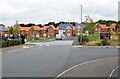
x=40, y=39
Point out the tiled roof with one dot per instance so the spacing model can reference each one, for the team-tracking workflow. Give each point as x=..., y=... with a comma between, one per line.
x=45, y=27
x=37, y=28
x=57, y=28
x=74, y=28
x=52, y=26
x=25, y=28
x=105, y=26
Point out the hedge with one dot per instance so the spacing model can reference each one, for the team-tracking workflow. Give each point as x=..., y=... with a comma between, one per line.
x=11, y=43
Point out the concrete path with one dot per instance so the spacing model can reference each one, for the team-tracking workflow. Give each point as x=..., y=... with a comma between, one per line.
x=95, y=68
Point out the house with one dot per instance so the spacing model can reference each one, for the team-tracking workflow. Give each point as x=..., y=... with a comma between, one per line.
x=35, y=31
x=3, y=30
x=68, y=30
x=49, y=31
x=102, y=28
x=25, y=31
x=79, y=28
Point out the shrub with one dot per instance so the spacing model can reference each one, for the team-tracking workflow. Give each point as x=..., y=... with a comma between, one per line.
x=3, y=43
x=85, y=39
x=36, y=38
x=104, y=42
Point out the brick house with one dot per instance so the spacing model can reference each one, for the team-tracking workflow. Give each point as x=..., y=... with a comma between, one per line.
x=25, y=31
x=79, y=28
x=102, y=28
x=68, y=30
x=49, y=31
x=35, y=31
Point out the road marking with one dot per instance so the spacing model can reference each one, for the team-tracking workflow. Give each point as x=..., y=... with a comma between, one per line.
x=113, y=72
x=48, y=45
x=40, y=45
x=25, y=47
x=13, y=50
x=80, y=65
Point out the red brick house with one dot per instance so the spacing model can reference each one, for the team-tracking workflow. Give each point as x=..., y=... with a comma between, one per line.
x=25, y=31
x=68, y=30
x=35, y=31
x=48, y=31
x=101, y=28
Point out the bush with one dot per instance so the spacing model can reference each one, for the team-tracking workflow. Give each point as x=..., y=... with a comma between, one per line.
x=104, y=42
x=3, y=43
x=85, y=39
x=36, y=38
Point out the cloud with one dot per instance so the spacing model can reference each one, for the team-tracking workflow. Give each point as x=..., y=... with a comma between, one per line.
x=40, y=11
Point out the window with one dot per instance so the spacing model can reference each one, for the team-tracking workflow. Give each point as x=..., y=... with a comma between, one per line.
x=68, y=30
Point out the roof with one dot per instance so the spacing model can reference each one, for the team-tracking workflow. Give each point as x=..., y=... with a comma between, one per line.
x=3, y=28
x=64, y=26
x=105, y=26
x=74, y=28
x=57, y=28
x=80, y=25
x=45, y=27
x=37, y=28
x=52, y=26
x=25, y=28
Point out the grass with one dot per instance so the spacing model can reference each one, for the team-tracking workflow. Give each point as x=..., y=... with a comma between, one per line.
x=94, y=37
x=40, y=39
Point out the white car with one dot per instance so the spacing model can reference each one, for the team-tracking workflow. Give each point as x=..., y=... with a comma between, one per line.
x=58, y=37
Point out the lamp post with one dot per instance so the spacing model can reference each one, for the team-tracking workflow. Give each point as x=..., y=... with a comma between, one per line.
x=81, y=28
x=81, y=13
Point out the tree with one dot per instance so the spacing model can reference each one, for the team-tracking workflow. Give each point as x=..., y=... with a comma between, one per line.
x=22, y=25
x=51, y=23
x=117, y=27
x=30, y=24
x=11, y=30
x=17, y=30
x=109, y=30
x=89, y=27
x=32, y=29
x=40, y=25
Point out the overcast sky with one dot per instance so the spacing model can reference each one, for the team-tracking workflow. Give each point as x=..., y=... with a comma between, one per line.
x=44, y=11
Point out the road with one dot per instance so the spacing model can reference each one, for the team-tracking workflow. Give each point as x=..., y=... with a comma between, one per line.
x=49, y=59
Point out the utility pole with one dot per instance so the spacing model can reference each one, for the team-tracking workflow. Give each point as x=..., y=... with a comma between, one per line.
x=81, y=13
x=81, y=28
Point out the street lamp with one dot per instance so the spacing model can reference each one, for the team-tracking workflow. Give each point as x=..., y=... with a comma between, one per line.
x=81, y=13
x=81, y=28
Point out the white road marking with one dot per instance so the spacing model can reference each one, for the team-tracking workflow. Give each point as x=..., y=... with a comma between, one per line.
x=79, y=65
x=13, y=50
x=40, y=45
x=112, y=72
x=48, y=45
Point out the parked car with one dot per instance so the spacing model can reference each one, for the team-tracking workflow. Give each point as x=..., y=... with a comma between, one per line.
x=58, y=37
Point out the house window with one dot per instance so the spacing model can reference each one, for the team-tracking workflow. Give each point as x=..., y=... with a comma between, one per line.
x=68, y=31
x=98, y=29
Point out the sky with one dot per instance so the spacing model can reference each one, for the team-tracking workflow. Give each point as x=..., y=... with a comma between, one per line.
x=44, y=11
